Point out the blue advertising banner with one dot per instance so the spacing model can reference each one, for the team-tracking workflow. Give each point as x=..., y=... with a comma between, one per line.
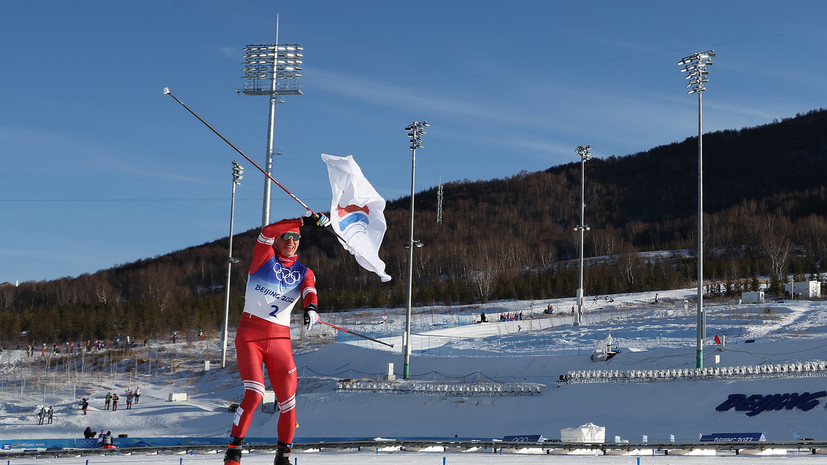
x=120, y=443
x=733, y=437
x=524, y=438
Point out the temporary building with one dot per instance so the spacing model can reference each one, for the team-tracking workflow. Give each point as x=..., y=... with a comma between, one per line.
x=589, y=432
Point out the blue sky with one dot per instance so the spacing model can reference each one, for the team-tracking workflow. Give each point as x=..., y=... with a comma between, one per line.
x=101, y=169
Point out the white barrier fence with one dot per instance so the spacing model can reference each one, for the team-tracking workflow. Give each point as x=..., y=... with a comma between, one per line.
x=780, y=370
x=437, y=388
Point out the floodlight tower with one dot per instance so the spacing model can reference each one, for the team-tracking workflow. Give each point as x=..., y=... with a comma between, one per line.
x=237, y=171
x=584, y=152
x=274, y=70
x=695, y=67
x=415, y=132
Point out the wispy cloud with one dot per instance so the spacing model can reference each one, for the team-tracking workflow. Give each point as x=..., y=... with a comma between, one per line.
x=229, y=52
x=399, y=97
x=43, y=152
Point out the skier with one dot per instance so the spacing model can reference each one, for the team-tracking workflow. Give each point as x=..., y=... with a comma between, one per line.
x=41, y=415
x=277, y=282
x=115, y=402
x=84, y=404
x=137, y=394
x=107, y=400
x=50, y=414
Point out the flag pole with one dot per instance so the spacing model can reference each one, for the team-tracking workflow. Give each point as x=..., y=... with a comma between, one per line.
x=168, y=92
x=306, y=207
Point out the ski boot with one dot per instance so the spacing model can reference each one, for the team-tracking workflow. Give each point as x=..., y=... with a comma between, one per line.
x=233, y=454
x=282, y=454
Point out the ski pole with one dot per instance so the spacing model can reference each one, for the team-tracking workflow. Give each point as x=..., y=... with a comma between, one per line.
x=356, y=334
x=167, y=91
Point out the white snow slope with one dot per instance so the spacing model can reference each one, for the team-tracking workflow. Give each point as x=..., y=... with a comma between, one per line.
x=448, y=348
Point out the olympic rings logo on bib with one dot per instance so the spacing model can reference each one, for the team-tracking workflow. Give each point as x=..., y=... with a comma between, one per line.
x=288, y=277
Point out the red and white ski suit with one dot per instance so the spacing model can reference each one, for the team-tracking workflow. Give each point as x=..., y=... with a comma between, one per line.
x=275, y=285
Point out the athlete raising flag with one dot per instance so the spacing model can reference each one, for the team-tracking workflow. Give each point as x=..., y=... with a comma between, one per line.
x=277, y=283
x=357, y=213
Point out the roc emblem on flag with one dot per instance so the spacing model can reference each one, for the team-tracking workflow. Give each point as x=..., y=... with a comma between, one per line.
x=353, y=215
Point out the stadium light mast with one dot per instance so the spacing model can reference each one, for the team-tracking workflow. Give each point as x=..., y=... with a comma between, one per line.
x=274, y=70
x=237, y=171
x=415, y=132
x=695, y=67
x=584, y=152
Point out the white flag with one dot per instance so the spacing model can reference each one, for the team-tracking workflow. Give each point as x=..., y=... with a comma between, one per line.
x=357, y=213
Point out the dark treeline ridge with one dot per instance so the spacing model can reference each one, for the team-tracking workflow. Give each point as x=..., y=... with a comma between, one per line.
x=765, y=202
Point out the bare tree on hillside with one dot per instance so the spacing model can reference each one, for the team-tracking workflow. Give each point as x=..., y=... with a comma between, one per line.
x=628, y=264
x=810, y=232
x=545, y=253
x=7, y=295
x=604, y=241
x=775, y=244
x=481, y=272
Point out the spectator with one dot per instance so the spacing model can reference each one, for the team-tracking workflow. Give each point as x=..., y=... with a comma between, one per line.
x=108, y=443
x=88, y=433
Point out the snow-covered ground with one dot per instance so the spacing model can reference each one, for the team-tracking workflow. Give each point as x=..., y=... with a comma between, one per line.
x=653, y=333
x=428, y=458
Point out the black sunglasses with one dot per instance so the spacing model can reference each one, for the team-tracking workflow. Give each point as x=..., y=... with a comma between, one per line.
x=291, y=235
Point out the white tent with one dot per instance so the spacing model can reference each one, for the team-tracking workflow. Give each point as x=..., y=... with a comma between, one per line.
x=586, y=433
x=603, y=349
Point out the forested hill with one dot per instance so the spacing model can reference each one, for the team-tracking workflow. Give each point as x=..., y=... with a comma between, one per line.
x=751, y=164
x=738, y=165
x=765, y=202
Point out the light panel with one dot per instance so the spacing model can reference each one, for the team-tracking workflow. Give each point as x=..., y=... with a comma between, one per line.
x=265, y=64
